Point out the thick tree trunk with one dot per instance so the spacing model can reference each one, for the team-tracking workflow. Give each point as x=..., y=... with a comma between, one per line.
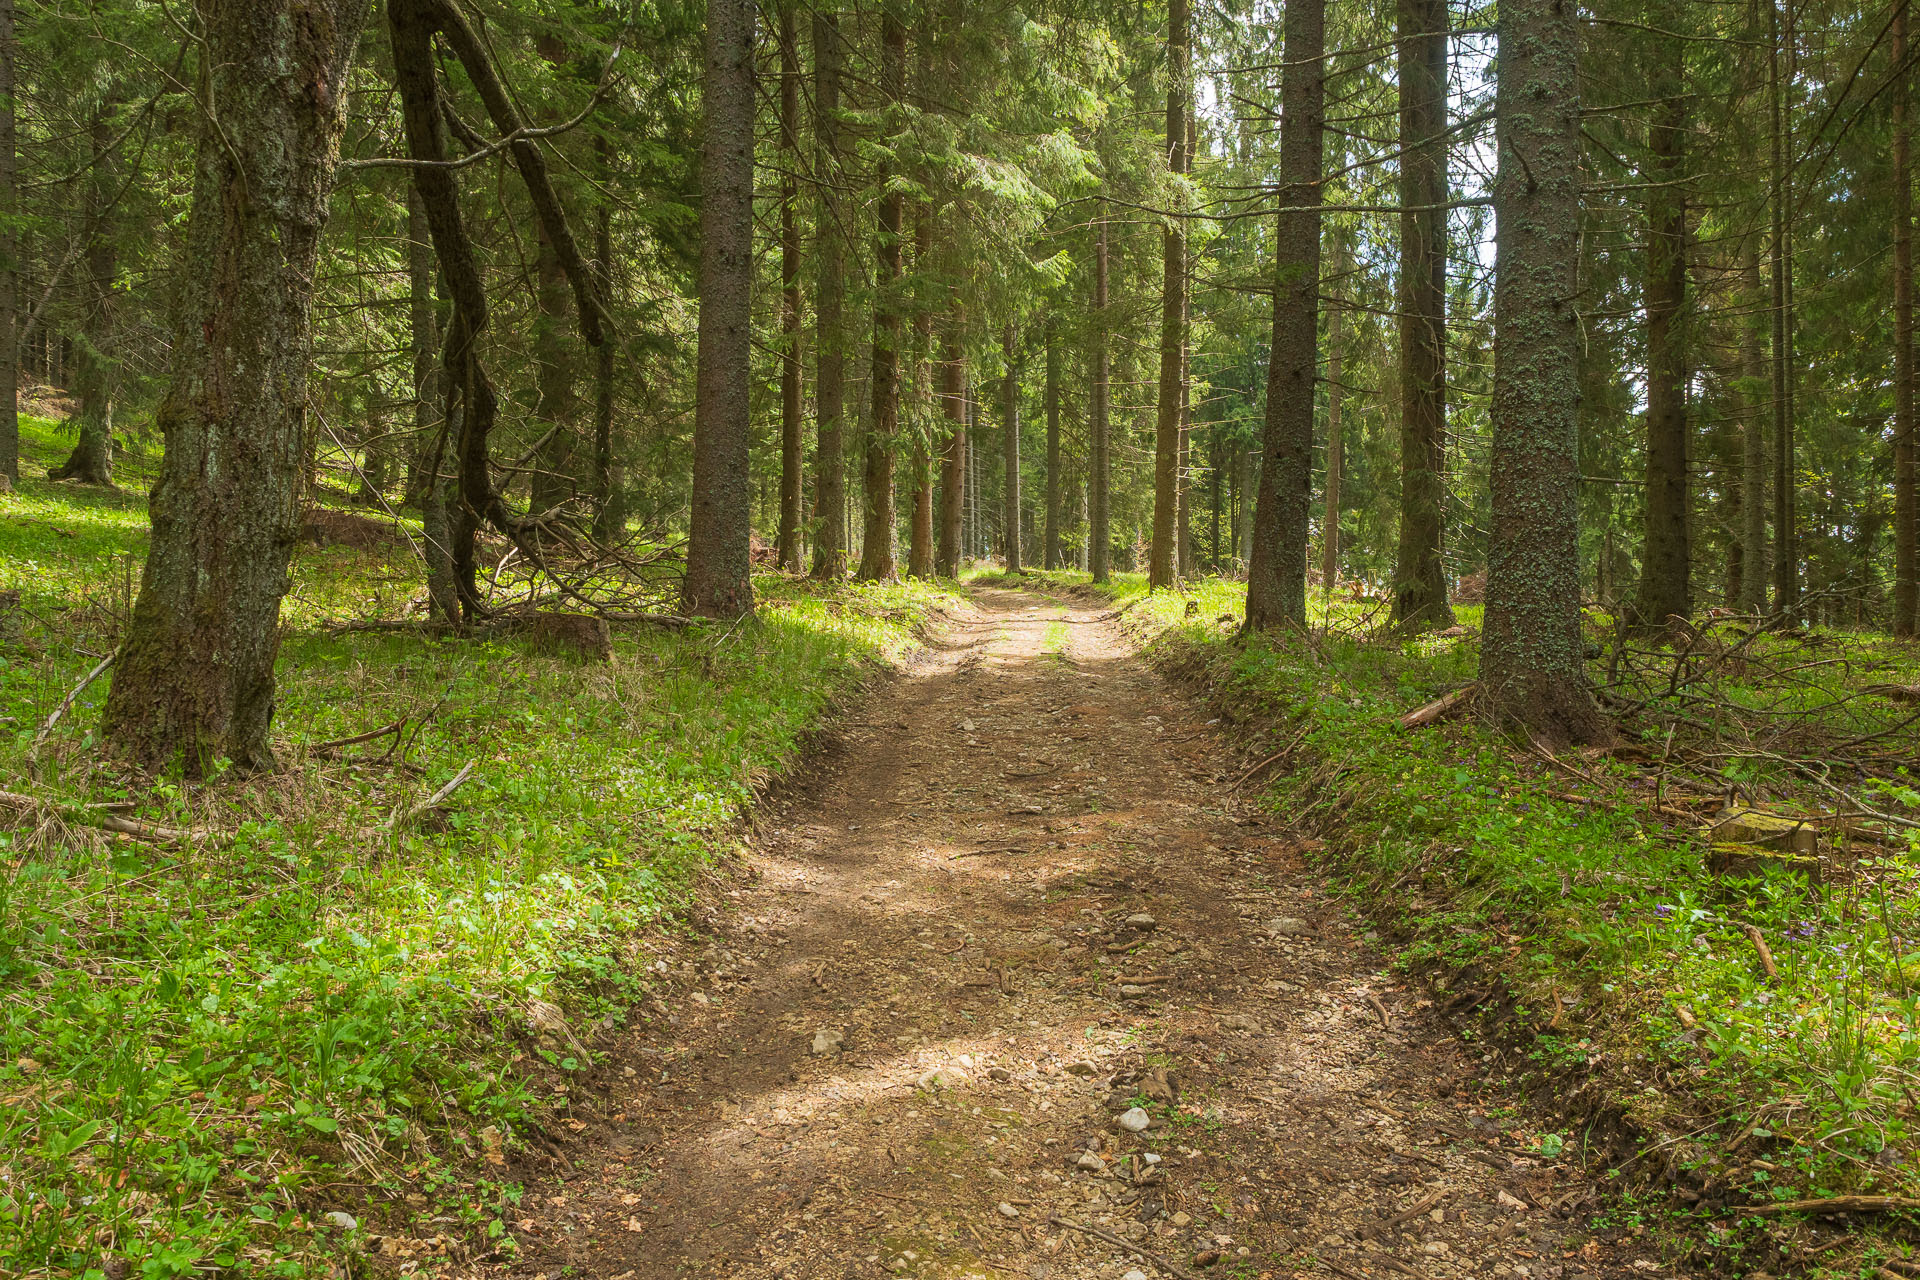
x=792, y=452
x=1532, y=657
x=719, y=579
x=1665, y=591
x=96, y=367
x=1099, y=506
x=1161, y=567
x=829, y=304
x=1906, y=514
x=194, y=683
x=1277, y=577
x=1753, y=439
x=1336, y=458
x=1419, y=574
x=1050, y=542
x=876, y=547
x=553, y=480
x=1010, y=447
x=953, y=462
x=9, y=257
x=425, y=449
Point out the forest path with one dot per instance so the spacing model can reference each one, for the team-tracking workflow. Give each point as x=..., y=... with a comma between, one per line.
x=907, y=1050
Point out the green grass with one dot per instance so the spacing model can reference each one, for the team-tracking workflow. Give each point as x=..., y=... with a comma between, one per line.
x=204, y=1049
x=1619, y=956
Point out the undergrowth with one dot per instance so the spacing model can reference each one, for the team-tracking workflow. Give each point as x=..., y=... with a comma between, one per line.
x=1626, y=968
x=211, y=1050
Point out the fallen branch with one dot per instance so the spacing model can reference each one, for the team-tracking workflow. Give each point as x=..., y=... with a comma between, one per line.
x=1405, y=1216
x=433, y=801
x=46, y=726
x=88, y=817
x=1440, y=708
x=1834, y=1204
x=1145, y=1255
x=335, y=744
x=1275, y=758
x=1760, y=945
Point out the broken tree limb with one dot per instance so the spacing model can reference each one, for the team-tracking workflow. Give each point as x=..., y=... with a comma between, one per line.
x=1760, y=945
x=1121, y=1242
x=82, y=815
x=401, y=818
x=46, y=726
x=1440, y=708
x=1834, y=1204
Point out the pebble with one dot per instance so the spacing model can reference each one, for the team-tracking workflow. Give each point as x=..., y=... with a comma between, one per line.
x=941, y=1078
x=1082, y=1069
x=1135, y=1120
x=1000, y=1073
x=1182, y=1219
x=344, y=1221
x=1090, y=1162
x=1239, y=1022
x=1008, y=1211
x=1130, y=991
x=1151, y=1157
x=827, y=1041
x=1135, y=1274
x=1288, y=926
x=1142, y=921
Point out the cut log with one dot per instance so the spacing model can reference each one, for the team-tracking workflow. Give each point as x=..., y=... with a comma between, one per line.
x=1752, y=860
x=1766, y=830
x=1440, y=708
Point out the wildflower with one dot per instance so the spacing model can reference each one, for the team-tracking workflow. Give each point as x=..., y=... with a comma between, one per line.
x=1663, y=911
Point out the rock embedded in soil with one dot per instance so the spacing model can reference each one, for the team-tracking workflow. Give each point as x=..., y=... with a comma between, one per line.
x=826, y=1041
x=941, y=1078
x=1288, y=927
x=1142, y=921
x=1090, y=1162
x=1135, y=1120
x=1085, y=1070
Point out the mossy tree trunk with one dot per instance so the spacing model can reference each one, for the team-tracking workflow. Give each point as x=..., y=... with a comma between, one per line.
x=194, y=683
x=792, y=454
x=96, y=368
x=1161, y=562
x=1532, y=657
x=1277, y=576
x=829, y=306
x=877, y=562
x=1099, y=429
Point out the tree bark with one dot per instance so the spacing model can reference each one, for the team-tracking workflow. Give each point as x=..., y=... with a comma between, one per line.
x=1161, y=568
x=1753, y=439
x=1419, y=574
x=1336, y=456
x=953, y=462
x=719, y=579
x=1050, y=541
x=876, y=547
x=1010, y=447
x=1532, y=657
x=830, y=294
x=792, y=452
x=96, y=373
x=1665, y=590
x=1786, y=573
x=1277, y=577
x=610, y=516
x=194, y=683
x=1906, y=513
x=920, y=548
x=9, y=258
x=553, y=412
x=1099, y=508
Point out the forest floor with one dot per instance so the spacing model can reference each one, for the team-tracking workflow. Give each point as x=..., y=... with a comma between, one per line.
x=1016, y=901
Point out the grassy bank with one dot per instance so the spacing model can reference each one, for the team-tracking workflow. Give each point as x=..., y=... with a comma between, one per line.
x=1570, y=898
x=324, y=1001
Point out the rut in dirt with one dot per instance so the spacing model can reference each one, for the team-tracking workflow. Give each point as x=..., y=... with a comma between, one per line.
x=1021, y=915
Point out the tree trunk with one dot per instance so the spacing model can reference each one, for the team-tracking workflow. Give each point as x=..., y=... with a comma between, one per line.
x=1906, y=515
x=96, y=373
x=1010, y=447
x=9, y=258
x=829, y=302
x=1753, y=441
x=953, y=461
x=553, y=412
x=719, y=580
x=1050, y=544
x=194, y=683
x=1336, y=456
x=1173, y=307
x=792, y=453
x=1665, y=591
x=610, y=516
x=1419, y=574
x=1532, y=658
x=1786, y=573
x=876, y=548
x=424, y=337
x=1277, y=577
x=1099, y=508
x=920, y=546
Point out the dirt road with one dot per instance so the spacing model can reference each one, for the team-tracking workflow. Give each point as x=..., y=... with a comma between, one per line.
x=1018, y=906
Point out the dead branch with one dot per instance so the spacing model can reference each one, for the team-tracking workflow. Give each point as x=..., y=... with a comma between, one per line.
x=1440, y=708
x=87, y=816
x=401, y=818
x=46, y=726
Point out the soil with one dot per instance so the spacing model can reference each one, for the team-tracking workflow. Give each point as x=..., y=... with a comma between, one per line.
x=1019, y=900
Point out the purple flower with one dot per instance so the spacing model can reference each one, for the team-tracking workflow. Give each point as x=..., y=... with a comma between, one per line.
x=1662, y=912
